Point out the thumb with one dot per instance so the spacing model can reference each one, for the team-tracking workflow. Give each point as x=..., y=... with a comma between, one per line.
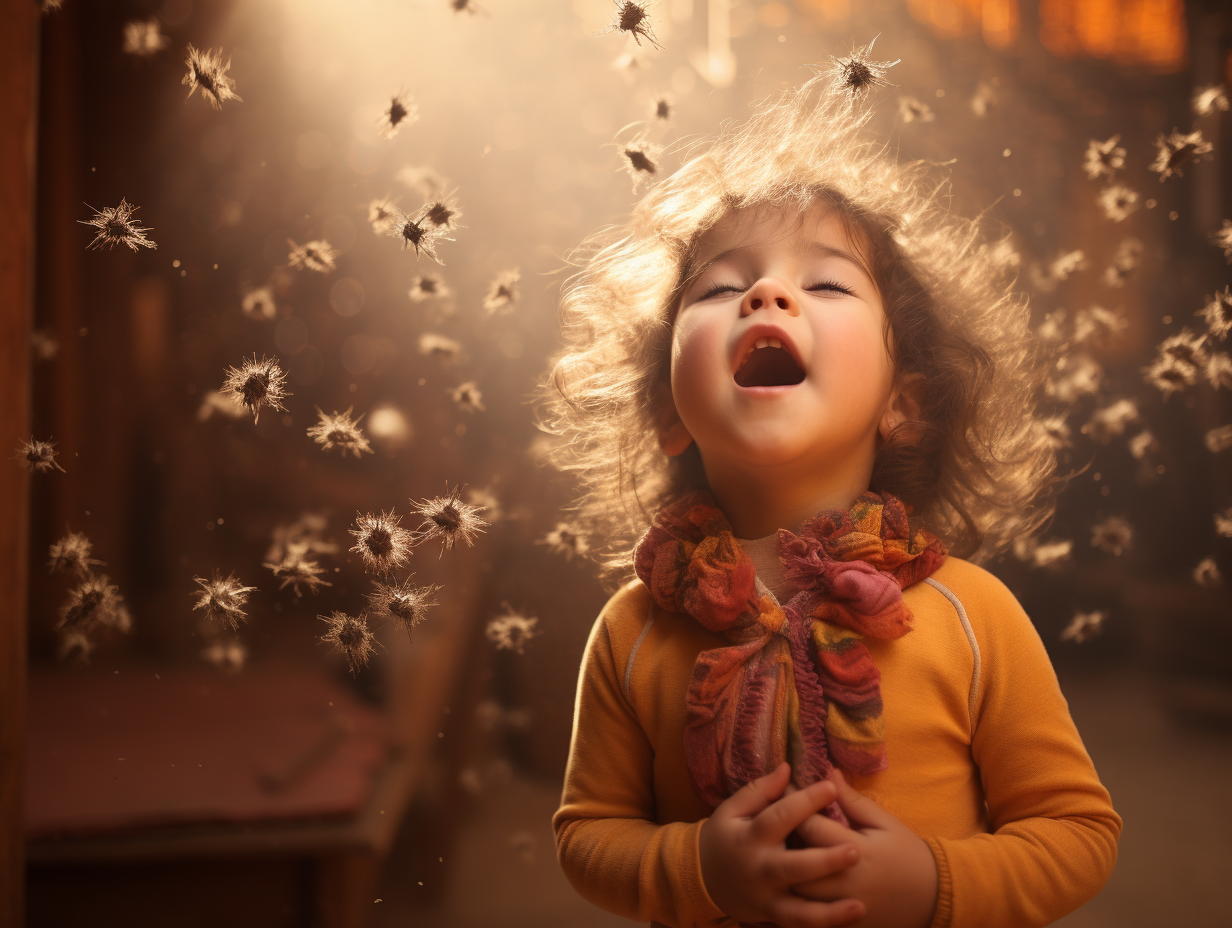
x=860, y=810
x=757, y=794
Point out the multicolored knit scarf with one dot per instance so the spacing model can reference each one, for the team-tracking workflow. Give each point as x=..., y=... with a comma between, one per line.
x=797, y=682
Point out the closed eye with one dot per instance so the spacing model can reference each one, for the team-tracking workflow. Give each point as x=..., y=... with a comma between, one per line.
x=716, y=289
x=832, y=285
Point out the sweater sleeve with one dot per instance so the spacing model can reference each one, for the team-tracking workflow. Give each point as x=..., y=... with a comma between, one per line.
x=1053, y=839
x=607, y=840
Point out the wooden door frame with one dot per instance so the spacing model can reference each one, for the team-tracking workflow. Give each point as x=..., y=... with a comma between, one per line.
x=19, y=30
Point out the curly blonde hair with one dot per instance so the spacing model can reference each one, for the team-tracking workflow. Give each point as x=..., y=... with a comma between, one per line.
x=976, y=469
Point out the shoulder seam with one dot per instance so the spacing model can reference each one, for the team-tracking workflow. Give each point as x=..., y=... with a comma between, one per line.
x=974, y=693
x=633, y=653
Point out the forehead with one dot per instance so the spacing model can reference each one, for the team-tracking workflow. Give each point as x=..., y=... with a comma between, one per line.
x=773, y=225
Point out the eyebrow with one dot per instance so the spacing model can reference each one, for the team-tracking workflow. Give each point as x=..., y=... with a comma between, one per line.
x=809, y=247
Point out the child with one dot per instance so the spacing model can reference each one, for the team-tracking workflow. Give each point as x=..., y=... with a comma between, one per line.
x=807, y=388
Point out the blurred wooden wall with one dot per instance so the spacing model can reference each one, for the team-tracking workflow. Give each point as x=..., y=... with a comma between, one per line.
x=18, y=61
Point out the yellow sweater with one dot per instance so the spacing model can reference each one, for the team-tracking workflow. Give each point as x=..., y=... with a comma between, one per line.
x=985, y=763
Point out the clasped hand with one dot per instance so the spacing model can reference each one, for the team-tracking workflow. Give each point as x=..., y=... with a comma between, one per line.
x=877, y=872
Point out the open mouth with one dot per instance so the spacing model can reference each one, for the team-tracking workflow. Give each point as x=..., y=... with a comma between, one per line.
x=769, y=365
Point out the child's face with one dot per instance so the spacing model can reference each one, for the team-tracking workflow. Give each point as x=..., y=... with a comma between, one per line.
x=817, y=401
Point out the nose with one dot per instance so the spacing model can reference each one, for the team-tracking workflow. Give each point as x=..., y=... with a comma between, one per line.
x=767, y=292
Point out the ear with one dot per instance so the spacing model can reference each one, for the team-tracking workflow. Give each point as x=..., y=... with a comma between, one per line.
x=674, y=438
x=903, y=405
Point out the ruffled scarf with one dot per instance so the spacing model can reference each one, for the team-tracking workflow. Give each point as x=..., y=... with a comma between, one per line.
x=796, y=682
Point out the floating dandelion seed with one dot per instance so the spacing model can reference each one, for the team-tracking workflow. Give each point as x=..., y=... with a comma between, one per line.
x=1077, y=375
x=72, y=553
x=1043, y=554
x=1207, y=574
x=1222, y=238
x=403, y=602
x=1176, y=150
x=566, y=540
x=1223, y=523
x=484, y=500
x=215, y=401
x=227, y=653
x=209, y=72
x=984, y=99
x=257, y=384
x=259, y=304
x=143, y=37
x=1052, y=329
x=1084, y=626
x=912, y=110
x=1219, y=439
x=1111, y=421
x=116, y=226
x=1219, y=370
x=1061, y=268
x=1097, y=326
x=662, y=108
x=1142, y=445
x=503, y=291
x=339, y=431
x=467, y=396
x=1114, y=535
x=1118, y=202
x=422, y=178
x=640, y=158
x=1124, y=262
x=857, y=73
x=1170, y=375
x=1185, y=346
x=628, y=64
x=351, y=636
x=449, y=519
x=1217, y=314
x=76, y=645
x=400, y=111
x=318, y=255
x=439, y=347
x=94, y=603
x=443, y=212
x=295, y=570
x=223, y=599
x=523, y=844
x=1103, y=159
x=1057, y=431
x=51, y=6
x=427, y=287
x=1209, y=100
x=301, y=537
x=633, y=19
x=38, y=456
x=416, y=231
x=46, y=346
x=381, y=541
x=511, y=631
x=381, y=215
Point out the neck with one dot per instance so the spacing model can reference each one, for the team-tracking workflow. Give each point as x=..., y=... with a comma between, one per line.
x=760, y=501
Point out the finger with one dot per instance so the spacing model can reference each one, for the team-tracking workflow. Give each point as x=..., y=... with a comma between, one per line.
x=859, y=808
x=793, y=912
x=755, y=795
x=774, y=823
x=788, y=867
x=821, y=831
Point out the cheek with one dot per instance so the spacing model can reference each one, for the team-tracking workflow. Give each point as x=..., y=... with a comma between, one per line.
x=699, y=359
x=853, y=356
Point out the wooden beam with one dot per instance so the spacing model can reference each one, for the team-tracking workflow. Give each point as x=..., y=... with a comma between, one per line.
x=18, y=113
